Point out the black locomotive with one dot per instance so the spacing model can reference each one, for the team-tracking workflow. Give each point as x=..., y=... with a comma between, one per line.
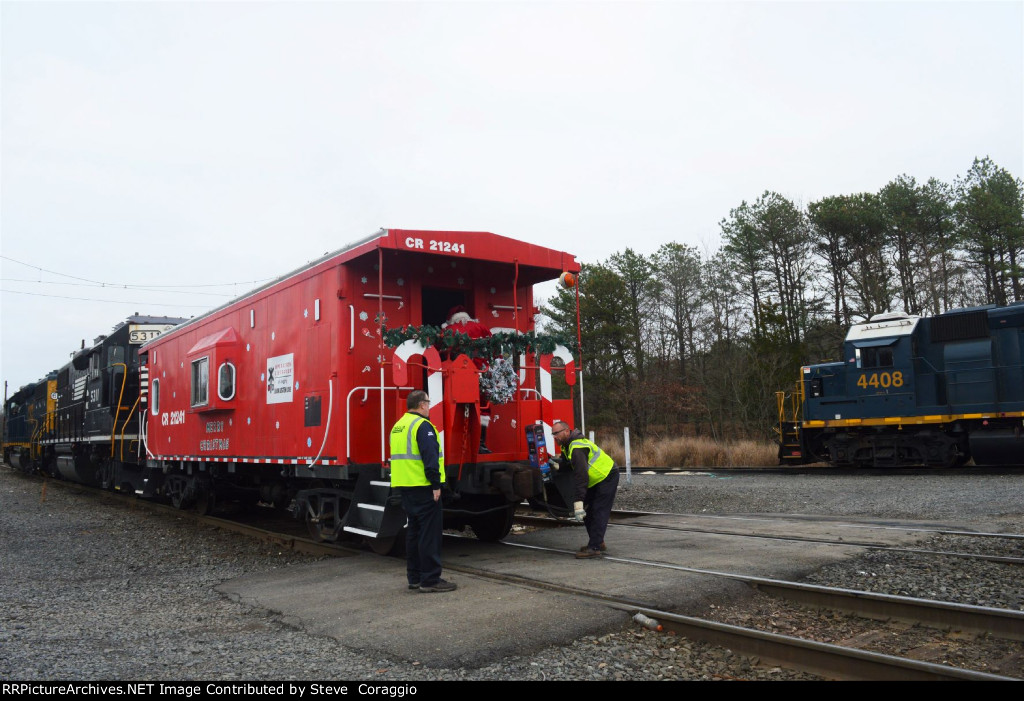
x=914, y=391
x=81, y=422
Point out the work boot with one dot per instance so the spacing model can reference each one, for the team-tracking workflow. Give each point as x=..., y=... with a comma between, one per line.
x=484, y=450
x=602, y=547
x=440, y=585
x=587, y=553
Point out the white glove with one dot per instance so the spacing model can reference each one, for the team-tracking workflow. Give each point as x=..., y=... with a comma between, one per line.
x=579, y=513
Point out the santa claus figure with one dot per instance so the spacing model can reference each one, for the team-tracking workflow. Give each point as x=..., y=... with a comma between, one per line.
x=459, y=321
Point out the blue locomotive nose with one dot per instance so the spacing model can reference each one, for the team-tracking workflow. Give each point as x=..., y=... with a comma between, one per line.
x=913, y=391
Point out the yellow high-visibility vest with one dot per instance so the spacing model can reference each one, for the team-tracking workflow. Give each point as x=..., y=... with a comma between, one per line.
x=599, y=464
x=407, y=469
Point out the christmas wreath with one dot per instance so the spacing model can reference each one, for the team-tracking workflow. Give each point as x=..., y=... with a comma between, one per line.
x=499, y=382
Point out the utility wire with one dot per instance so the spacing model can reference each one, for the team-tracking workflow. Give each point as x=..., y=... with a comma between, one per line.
x=161, y=290
x=111, y=301
x=129, y=286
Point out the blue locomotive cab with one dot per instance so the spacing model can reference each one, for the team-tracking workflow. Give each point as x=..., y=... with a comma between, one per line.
x=874, y=380
x=914, y=391
x=880, y=357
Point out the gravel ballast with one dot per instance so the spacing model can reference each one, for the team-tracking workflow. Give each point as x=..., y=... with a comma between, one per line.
x=96, y=591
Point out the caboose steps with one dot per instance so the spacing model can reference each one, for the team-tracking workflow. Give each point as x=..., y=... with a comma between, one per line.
x=372, y=515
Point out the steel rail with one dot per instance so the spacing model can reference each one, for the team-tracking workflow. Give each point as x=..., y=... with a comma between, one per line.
x=824, y=659
x=1002, y=623
x=816, y=519
x=546, y=522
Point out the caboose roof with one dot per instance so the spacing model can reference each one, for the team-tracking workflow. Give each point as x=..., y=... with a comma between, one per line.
x=535, y=263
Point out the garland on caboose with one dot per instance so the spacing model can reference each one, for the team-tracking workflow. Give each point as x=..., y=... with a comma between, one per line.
x=500, y=344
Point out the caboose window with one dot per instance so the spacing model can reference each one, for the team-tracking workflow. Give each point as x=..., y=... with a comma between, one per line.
x=200, y=381
x=155, y=398
x=226, y=381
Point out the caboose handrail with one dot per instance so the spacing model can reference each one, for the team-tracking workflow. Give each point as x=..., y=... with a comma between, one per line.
x=348, y=414
x=327, y=428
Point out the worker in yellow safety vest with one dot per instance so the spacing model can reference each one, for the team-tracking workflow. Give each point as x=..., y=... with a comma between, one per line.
x=595, y=479
x=417, y=474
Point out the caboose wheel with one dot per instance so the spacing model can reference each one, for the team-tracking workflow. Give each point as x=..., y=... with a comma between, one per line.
x=495, y=525
x=204, y=500
x=388, y=545
x=176, y=491
x=320, y=519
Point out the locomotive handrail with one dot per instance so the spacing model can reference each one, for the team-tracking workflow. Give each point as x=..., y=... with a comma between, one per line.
x=33, y=439
x=925, y=360
x=125, y=425
x=113, y=428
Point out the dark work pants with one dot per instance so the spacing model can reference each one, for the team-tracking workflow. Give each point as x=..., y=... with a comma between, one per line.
x=598, y=504
x=423, y=535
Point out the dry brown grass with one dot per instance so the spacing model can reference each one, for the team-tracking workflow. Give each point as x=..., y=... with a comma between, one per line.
x=690, y=451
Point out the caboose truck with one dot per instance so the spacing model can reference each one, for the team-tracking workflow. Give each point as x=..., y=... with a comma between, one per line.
x=931, y=391
x=285, y=395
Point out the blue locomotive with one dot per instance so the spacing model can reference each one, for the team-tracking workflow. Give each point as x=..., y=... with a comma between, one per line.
x=913, y=391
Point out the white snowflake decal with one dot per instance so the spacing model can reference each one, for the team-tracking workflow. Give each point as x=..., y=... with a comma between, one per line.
x=363, y=316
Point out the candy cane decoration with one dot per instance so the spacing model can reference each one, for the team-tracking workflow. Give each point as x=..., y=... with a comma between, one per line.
x=546, y=410
x=435, y=380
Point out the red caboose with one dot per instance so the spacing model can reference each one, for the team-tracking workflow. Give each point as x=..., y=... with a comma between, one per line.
x=286, y=394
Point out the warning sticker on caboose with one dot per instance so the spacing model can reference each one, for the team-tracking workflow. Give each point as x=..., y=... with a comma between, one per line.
x=280, y=372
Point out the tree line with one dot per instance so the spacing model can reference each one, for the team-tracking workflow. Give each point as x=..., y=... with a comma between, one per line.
x=684, y=341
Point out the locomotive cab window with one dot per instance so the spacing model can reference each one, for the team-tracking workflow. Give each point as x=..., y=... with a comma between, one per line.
x=875, y=357
x=200, y=382
x=226, y=381
x=115, y=355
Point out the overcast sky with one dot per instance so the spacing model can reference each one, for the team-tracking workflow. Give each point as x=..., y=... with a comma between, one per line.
x=195, y=143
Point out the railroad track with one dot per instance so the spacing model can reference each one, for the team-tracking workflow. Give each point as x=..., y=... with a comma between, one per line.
x=823, y=469
x=627, y=518
x=821, y=658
